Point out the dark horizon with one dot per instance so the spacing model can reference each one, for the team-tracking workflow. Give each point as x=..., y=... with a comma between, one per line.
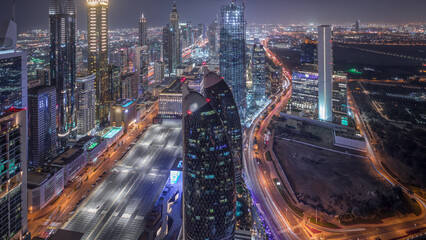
x=32, y=14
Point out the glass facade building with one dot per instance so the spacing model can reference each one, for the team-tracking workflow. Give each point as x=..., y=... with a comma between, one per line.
x=305, y=93
x=62, y=15
x=209, y=190
x=220, y=96
x=325, y=71
x=232, y=51
x=42, y=127
x=143, y=31
x=258, y=73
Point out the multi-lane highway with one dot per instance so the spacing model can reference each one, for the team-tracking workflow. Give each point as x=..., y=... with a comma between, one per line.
x=118, y=207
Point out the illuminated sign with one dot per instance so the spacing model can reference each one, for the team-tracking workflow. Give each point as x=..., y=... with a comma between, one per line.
x=174, y=176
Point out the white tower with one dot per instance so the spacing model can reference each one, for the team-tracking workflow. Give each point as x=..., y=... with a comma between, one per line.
x=325, y=71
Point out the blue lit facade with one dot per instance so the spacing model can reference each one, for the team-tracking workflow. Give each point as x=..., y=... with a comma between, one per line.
x=209, y=190
x=62, y=15
x=232, y=50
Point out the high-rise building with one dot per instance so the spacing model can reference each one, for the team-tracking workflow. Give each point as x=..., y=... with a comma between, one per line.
x=43, y=76
x=308, y=51
x=158, y=71
x=233, y=51
x=356, y=26
x=209, y=190
x=143, y=31
x=172, y=50
x=114, y=82
x=258, y=61
x=86, y=103
x=304, y=99
x=220, y=96
x=13, y=135
x=62, y=15
x=325, y=71
x=42, y=125
x=213, y=39
x=340, y=99
x=97, y=34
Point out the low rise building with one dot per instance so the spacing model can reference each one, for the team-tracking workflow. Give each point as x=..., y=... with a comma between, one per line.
x=44, y=184
x=171, y=100
x=112, y=135
x=94, y=146
x=123, y=113
x=73, y=161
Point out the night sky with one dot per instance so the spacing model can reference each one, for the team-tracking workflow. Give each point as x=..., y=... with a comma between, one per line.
x=33, y=14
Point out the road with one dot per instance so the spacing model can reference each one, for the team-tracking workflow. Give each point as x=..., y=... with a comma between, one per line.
x=118, y=207
x=44, y=222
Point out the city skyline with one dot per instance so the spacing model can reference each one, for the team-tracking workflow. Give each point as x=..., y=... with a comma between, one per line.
x=282, y=12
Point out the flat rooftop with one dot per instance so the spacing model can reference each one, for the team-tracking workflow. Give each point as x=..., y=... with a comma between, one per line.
x=174, y=88
x=111, y=133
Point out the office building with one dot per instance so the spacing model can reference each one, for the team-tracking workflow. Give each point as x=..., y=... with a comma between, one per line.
x=86, y=103
x=13, y=135
x=172, y=50
x=43, y=76
x=123, y=113
x=170, y=104
x=304, y=99
x=97, y=34
x=13, y=173
x=209, y=190
x=308, y=51
x=158, y=71
x=42, y=125
x=258, y=73
x=340, y=99
x=62, y=15
x=356, y=26
x=233, y=51
x=129, y=86
x=325, y=71
x=72, y=161
x=221, y=98
x=143, y=31
x=113, y=82
x=213, y=36
x=44, y=184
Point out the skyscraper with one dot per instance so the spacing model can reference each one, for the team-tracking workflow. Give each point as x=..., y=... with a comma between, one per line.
x=13, y=135
x=42, y=125
x=172, y=51
x=209, y=191
x=62, y=15
x=85, y=103
x=325, y=71
x=258, y=72
x=143, y=31
x=233, y=51
x=213, y=39
x=97, y=34
x=220, y=96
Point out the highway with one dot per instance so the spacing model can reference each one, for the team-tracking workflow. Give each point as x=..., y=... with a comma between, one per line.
x=44, y=222
x=118, y=207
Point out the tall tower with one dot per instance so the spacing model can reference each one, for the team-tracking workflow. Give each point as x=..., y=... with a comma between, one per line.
x=325, y=71
x=209, y=191
x=143, y=31
x=13, y=134
x=62, y=15
x=221, y=97
x=97, y=34
x=233, y=51
x=85, y=103
x=258, y=72
x=42, y=119
x=171, y=40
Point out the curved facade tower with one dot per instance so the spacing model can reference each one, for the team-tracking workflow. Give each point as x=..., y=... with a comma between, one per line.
x=222, y=99
x=232, y=50
x=209, y=192
x=62, y=15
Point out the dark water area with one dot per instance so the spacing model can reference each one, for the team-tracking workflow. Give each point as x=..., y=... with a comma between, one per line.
x=366, y=64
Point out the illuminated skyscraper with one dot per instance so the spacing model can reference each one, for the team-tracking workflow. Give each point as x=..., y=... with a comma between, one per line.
x=233, y=51
x=62, y=15
x=13, y=134
x=258, y=72
x=209, y=190
x=325, y=71
x=85, y=103
x=42, y=125
x=222, y=99
x=143, y=31
x=172, y=51
x=97, y=34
